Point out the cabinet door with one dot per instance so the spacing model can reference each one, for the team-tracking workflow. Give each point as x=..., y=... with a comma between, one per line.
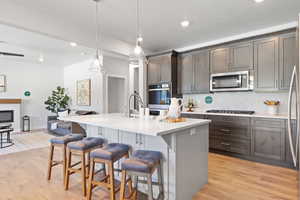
x=266, y=64
x=187, y=73
x=201, y=72
x=153, y=71
x=241, y=56
x=219, y=60
x=165, y=69
x=287, y=50
x=268, y=139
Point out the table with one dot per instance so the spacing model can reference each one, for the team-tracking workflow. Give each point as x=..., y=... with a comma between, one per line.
x=5, y=142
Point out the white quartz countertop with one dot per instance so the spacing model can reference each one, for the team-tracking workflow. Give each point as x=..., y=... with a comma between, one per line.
x=257, y=115
x=142, y=126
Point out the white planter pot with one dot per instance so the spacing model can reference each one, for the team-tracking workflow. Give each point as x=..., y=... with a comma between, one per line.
x=273, y=110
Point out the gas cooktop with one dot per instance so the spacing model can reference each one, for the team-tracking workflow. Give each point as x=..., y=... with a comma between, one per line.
x=246, y=112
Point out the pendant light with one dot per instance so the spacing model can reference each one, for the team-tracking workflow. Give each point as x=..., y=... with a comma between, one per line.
x=138, y=48
x=97, y=63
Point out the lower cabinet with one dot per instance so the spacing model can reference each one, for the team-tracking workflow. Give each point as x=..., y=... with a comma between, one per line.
x=268, y=139
x=257, y=139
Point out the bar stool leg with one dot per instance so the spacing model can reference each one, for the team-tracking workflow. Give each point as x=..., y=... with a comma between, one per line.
x=123, y=185
x=50, y=161
x=91, y=179
x=83, y=169
x=67, y=178
x=150, y=188
x=64, y=162
x=160, y=180
x=112, y=180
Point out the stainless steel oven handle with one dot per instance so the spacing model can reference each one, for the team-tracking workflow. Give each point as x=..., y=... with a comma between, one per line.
x=160, y=89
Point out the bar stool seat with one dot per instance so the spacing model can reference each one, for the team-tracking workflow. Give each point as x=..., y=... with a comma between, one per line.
x=81, y=148
x=86, y=143
x=62, y=143
x=142, y=161
x=107, y=155
x=112, y=151
x=66, y=139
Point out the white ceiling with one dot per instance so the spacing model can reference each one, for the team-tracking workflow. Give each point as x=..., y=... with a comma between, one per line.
x=33, y=45
x=210, y=19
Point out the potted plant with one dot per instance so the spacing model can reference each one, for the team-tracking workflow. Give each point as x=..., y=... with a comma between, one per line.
x=57, y=102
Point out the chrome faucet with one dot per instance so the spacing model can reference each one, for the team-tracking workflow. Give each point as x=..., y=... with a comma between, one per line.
x=139, y=100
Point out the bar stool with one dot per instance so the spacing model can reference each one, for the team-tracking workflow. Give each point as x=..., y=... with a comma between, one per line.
x=81, y=148
x=108, y=155
x=60, y=142
x=143, y=163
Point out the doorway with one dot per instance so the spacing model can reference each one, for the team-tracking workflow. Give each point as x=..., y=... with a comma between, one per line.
x=116, y=97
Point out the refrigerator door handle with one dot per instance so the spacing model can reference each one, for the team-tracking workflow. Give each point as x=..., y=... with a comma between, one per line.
x=289, y=119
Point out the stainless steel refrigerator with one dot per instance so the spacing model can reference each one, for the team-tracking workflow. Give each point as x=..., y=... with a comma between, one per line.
x=294, y=110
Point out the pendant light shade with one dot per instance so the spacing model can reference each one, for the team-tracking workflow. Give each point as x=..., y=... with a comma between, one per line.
x=97, y=64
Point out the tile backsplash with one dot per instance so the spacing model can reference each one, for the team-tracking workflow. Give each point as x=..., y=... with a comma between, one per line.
x=239, y=101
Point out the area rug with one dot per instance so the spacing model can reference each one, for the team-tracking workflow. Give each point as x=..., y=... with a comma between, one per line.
x=27, y=141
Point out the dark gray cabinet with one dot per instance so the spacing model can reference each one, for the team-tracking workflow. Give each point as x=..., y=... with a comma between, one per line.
x=162, y=68
x=195, y=72
x=187, y=70
x=219, y=60
x=288, y=59
x=258, y=139
x=153, y=70
x=268, y=139
x=241, y=56
x=266, y=58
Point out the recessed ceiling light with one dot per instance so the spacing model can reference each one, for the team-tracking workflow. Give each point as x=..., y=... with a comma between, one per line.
x=73, y=44
x=185, y=23
x=41, y=59
x=258, y=1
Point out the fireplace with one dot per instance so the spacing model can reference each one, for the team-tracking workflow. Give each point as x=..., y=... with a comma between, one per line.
x=6, y=116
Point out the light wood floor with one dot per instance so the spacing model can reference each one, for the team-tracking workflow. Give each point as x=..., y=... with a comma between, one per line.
x=23, y=177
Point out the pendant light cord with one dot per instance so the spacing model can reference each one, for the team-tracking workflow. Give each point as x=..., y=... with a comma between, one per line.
x=97, y=25
x=138, y=28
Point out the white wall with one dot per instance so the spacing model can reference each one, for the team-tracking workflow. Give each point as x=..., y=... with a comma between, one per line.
x=240, y=101
x=39, y=79
x=79, y=71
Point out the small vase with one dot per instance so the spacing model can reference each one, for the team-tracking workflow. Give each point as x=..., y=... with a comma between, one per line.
x=273, y=110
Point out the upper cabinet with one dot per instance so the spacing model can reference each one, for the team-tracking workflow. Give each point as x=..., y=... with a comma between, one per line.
x=266, y=64
x=162, y=68
x=287, y=61
x=219, y=60
x=195, y=72
x=241, y=56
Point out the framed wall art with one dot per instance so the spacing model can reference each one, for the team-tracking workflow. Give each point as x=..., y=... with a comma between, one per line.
x=84, y=92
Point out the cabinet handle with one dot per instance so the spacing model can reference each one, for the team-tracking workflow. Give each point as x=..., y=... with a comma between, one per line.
x=136, y=139
x=225, y=144
x=141, y=139
x=225, y=130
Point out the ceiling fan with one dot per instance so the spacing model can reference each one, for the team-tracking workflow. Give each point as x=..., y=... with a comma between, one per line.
x=10, y=54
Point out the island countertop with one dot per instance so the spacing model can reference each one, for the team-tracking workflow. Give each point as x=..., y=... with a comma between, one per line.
x=143, y=126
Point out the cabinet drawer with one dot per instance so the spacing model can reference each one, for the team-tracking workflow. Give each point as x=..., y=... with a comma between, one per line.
x=270, y=123
x=231, y=132
x=230, y=120
x=234, y=146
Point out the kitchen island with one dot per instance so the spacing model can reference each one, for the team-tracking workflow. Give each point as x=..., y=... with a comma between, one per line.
x=184, y=146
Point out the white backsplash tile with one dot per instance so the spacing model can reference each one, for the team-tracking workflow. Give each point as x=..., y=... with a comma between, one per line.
x=239, y=101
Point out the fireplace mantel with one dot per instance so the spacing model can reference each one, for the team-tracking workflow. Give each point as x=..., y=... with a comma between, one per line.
x=10, y=101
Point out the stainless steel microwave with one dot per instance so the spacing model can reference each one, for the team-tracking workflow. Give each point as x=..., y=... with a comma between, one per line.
x=231, y=81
